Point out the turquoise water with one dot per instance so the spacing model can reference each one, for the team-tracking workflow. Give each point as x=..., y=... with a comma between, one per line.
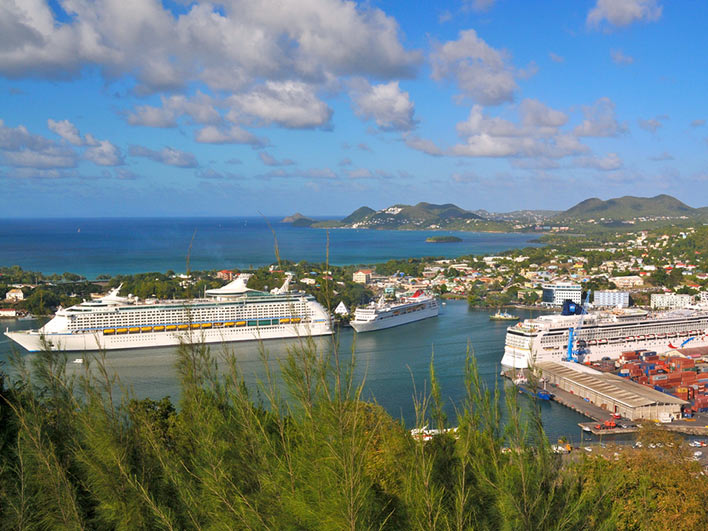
x=91, y=247
x=388, y=361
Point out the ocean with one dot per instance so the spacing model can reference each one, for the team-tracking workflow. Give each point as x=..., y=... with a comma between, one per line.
x=91, y=247
x=392, y=363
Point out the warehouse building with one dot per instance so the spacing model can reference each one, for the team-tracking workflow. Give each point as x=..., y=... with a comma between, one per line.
x=612, y=393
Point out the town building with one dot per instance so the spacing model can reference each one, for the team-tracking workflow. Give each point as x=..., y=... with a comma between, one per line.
x=363, y=276
x=611, y=299
x=670, y=301
x=225, y=274
x=632, y=281
x=14, y=295
x=555, y=294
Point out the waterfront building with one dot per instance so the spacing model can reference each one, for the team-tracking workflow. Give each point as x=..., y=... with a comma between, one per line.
x=14, y=295
x=670, y=301
x=632, y=281
x=611, y=299
x=555, y=294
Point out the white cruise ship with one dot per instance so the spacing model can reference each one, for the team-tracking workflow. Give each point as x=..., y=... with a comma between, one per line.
x=602, y=334
x=230, y=313
x=380, y=315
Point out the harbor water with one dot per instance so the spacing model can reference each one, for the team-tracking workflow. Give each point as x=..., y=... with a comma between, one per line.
x=392, y=363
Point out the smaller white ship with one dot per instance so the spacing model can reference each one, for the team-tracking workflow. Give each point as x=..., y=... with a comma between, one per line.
x=382, y=314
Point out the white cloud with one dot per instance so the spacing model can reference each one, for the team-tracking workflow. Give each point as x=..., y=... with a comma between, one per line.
x=610, y=162
x=20, y=148
x=289, y=104
x=386, y=103
x=360, y=173
x=662, y=156
x=651, y=124
x=623, y=12
x=230, y=135
x=479, y=5
x=620, y=58
x=227, y=46
x=104, y=154
x=556, y=58
x=200, y=110
x=67, y=130
x=167, y=155
x=698, y=122
x=600, y=120
x=269, y=160
x=481, y=72
x=423, y=144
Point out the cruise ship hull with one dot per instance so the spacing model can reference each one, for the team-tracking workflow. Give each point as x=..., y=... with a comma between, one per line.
x=80, y=342
x=390, y=322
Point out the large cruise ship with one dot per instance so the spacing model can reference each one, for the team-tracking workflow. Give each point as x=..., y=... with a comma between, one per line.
x=602, y=334
x=381, y=314
x=230, y=313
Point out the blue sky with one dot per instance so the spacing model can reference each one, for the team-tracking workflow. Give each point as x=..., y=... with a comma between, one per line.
x=150, y=108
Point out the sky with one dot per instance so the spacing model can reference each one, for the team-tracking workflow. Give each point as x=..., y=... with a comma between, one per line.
x=239, y=108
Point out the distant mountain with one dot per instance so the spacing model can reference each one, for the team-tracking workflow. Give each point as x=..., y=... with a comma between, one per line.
x=298, y=220
x=422, y=215
x=629, y=207
x=358, y=215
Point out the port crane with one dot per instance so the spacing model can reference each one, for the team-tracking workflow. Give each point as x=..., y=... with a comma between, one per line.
x=574, y=352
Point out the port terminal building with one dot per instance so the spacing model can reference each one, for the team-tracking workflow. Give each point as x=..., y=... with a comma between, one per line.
x=610, y=392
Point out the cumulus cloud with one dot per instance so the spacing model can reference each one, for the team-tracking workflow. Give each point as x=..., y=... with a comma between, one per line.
x=386, y=103
x=651, y=124
x=234, y=134
x=200, y=109
x=620, y=58
x=104, y=153
x=537, y=134
x=245, y=41
x=623, y=12
x=610, y=162
x=20, y=148
x=290, y=104
x=480, y=71
x=600, y=120
x=167, y=155
x=422, y=144
x=269, y=160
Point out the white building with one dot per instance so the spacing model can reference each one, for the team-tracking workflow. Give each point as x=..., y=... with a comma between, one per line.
x=704, y=297
x=555, y=294
x=363, y=276
x=670, y=301
x=14, y=295
x=612, y=299
x=341, y=309
x=632, y=281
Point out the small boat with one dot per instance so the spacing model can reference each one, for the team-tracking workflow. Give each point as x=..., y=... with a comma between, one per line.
x=78, y=360
x=503, y=316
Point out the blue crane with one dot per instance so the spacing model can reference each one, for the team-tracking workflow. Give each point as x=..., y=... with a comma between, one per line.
x=573, y=352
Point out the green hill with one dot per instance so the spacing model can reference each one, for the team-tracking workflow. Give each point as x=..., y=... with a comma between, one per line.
x=358, y=215
x=629, y=207
x=422, y=215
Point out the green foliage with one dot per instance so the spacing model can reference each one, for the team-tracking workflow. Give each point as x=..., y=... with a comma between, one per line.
x=82, y=453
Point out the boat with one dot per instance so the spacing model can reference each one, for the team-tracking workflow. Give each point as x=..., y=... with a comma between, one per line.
x=503, y=316
x=406, y=309
x=545, y=338
x=116, y=322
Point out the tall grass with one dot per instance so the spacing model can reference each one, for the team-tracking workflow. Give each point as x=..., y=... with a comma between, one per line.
x=305, y=452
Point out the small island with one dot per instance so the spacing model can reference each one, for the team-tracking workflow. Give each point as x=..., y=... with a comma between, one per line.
x=443, y=239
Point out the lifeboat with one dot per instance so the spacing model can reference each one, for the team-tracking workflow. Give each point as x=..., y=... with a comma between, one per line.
x=240, y=323
x=182, y=327
x=671, y=334
x=630, y=338
x=194, y=326
x=134, y=329
x=683, y=333
x=296, y=320
x=693, y=332
x=158, y=328
x=651, y=336
x=206, y=325
x=229, y=324
x=171, y=328
x=146, y=329
x=218, y=325
x=121, y=331
x=284, y=321
x=640, y=338
x=661, y=336
x=109, y=331
x=603, y=342
x=592, y=342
